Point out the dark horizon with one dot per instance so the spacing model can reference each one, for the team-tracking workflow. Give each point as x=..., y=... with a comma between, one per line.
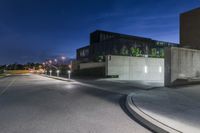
x=32, y=31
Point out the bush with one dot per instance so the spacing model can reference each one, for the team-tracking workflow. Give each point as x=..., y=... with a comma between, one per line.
x=135, y=52
x=1, y=71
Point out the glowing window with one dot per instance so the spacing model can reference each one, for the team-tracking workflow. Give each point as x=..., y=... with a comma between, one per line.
x=160, y=69
x=145, y=69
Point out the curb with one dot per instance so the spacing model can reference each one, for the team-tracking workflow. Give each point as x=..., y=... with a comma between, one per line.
x=147, y=120
x=58, y=78
x=5, y=76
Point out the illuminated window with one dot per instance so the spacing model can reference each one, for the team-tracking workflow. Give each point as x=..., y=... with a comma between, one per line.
x=160, y=69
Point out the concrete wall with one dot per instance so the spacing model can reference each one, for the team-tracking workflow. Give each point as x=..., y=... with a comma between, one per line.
x=181, y=64
x=135, y=68
x=75, y=65
x=91, y=65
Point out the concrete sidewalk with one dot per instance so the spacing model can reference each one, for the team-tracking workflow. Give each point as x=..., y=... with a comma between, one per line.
x=113, y=85
x=170, y=109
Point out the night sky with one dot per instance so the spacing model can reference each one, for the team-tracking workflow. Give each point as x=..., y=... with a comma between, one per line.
x=33, y=30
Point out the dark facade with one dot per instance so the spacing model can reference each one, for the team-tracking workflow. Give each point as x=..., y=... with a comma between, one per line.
x=83, y=53
x=108, y=43
x=190, y=29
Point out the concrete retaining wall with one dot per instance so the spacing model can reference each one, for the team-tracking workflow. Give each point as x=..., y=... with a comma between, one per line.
x=135, y=68
x=91, y=65
x=181, y=65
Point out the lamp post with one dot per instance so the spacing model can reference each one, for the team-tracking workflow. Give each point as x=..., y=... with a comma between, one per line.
x=50, y=72
x=44, y=66
x=69, y=74
x=55, y=60
x=58, y=72
x=63, y=59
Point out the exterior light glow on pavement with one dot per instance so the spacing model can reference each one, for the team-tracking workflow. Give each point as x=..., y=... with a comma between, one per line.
x=69, y=86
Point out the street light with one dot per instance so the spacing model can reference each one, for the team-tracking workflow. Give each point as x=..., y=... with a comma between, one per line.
x=69, y=74
x=63, y=58
x=55, y=60
x=70, y=66
x=50, y=61
x=44, y=65
x=58, y=72
x=50, y=72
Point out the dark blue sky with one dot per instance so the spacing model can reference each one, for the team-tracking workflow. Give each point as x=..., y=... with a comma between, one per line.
x=33, y=30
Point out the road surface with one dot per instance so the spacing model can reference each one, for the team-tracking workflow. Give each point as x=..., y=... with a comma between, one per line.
x=36, y=104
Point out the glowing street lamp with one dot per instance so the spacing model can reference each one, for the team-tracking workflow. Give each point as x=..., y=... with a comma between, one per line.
x=56, y=60
x=50, y=61
x=63, y=59
x=70, y=66
x=69, y=74
x=58, y=72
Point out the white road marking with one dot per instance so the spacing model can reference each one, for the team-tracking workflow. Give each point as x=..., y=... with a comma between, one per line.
x=10, y=84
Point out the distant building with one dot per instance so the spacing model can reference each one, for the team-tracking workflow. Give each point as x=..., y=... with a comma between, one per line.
x=82, y=54
x=104, y=43
x=190, y=29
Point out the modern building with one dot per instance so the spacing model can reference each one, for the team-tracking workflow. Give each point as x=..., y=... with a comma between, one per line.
x=124, y=56
x=104, y=43
x=190, y=29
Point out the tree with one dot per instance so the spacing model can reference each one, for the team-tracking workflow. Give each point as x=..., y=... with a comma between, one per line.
x=153, y=52
x=115, y=51
x=124, y=51
x=162, y=53
x=63, y=69
x=135, y=52
x=2, y=68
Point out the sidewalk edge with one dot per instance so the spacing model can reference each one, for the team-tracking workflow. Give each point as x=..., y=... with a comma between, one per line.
x=147, y=120
x=57, y=78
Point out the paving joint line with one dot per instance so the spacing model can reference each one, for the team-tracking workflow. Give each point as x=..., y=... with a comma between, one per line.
x=7, y=87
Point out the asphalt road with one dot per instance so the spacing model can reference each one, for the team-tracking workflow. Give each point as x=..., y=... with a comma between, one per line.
x=36, y=104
